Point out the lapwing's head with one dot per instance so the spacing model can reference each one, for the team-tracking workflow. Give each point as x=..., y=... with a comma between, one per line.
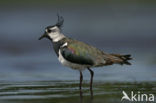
x=54, y=32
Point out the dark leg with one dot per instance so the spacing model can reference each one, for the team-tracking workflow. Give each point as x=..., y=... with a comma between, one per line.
x=91, y=80
x=81, y=79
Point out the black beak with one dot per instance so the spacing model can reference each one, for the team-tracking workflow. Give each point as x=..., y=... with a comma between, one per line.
x=43, y=36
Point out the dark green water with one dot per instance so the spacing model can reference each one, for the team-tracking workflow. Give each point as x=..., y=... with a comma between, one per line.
x=68, y=92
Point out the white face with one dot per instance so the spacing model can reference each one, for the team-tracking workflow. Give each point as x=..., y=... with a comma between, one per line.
x=54, y=33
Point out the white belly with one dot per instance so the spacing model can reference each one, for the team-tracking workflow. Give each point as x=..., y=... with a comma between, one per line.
x=69, y=64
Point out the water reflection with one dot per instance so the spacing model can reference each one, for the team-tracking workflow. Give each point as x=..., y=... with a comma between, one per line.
x=81, y=96
x=90, y=100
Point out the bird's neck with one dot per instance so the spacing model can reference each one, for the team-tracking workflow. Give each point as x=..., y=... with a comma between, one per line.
x=58, y=37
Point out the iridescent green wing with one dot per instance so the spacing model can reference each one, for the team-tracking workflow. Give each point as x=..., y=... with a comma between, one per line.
x=78, y=52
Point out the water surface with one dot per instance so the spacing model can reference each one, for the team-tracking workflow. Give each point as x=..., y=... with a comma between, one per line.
x=67, y=91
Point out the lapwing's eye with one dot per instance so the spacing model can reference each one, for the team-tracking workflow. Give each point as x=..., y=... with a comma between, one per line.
x=49, y=31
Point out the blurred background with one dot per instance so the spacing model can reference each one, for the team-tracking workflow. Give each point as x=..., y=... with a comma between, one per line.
x=114, y=26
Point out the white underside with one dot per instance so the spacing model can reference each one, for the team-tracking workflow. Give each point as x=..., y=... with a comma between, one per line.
x=71, y=65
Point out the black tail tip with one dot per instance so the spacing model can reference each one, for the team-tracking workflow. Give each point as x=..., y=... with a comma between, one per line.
x=127, y=63
x=126, y=58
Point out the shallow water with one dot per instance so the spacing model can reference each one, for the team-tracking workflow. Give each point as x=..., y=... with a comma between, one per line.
x=67, y=91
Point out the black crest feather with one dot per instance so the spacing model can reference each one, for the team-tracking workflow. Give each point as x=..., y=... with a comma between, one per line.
x=60, y=21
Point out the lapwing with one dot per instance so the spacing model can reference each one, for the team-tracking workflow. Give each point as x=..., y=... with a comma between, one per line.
x=79, y=55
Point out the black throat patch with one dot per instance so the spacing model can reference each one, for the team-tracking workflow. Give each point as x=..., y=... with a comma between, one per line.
x=57, y=45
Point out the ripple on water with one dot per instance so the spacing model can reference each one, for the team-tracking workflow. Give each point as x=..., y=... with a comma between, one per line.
x=48, y=91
